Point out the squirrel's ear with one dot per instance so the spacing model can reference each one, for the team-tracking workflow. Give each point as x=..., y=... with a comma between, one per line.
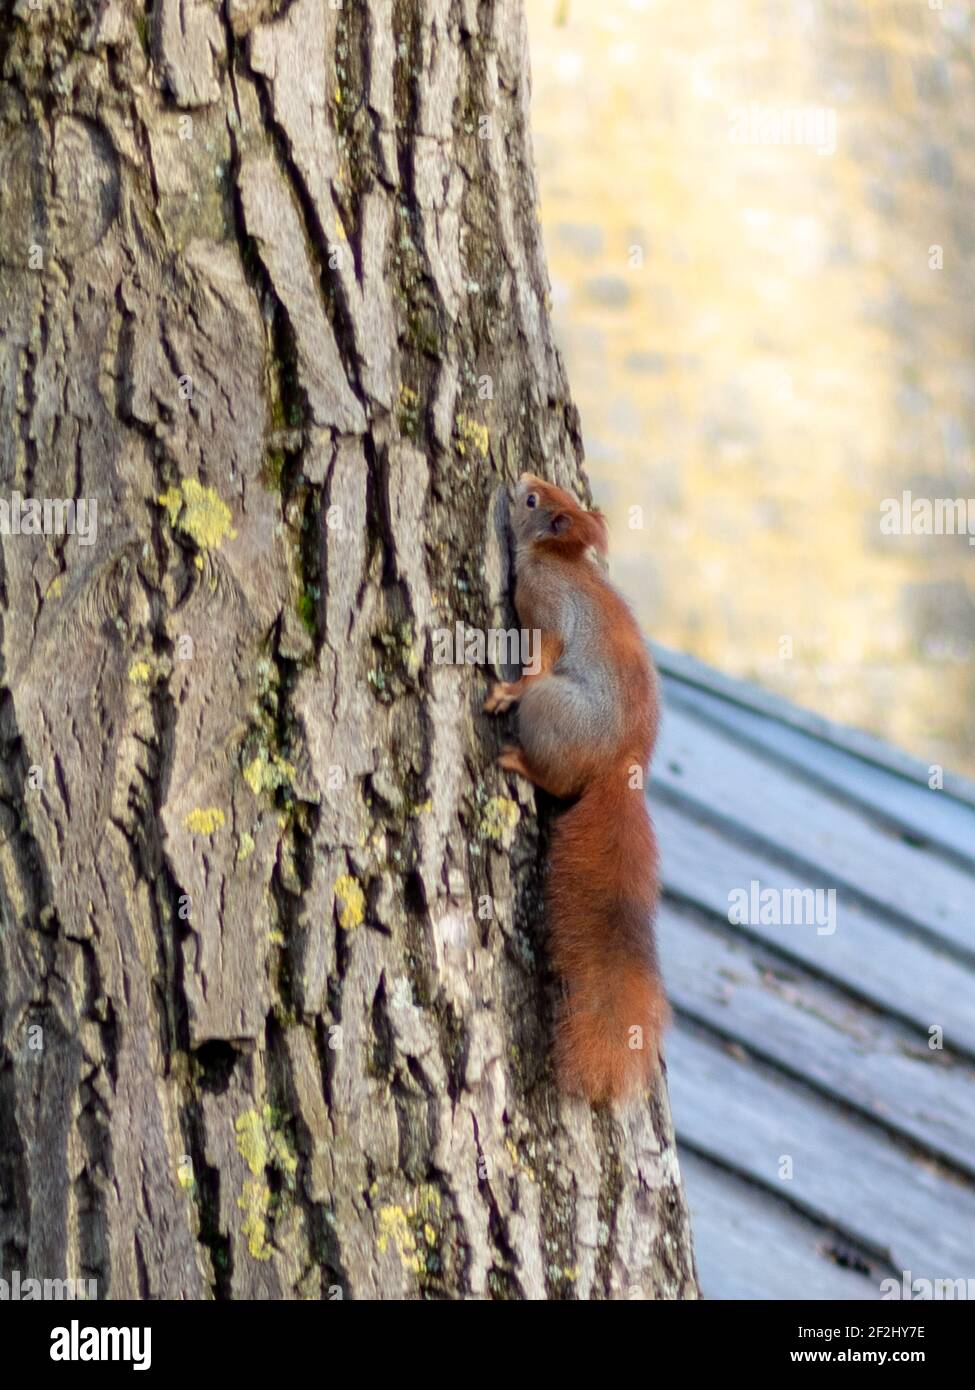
x=561, y=523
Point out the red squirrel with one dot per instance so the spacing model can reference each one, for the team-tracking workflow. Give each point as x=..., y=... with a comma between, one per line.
x=587, y=720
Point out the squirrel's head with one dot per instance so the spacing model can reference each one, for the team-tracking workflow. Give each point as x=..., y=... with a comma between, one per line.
x=545, y=515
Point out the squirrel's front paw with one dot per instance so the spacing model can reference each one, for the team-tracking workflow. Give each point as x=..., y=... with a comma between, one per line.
x=501, y=697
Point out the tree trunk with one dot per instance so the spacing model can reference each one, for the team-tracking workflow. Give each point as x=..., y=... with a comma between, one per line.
x=275, y=1011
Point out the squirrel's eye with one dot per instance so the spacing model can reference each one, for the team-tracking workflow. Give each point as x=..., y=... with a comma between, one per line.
x=531, y=500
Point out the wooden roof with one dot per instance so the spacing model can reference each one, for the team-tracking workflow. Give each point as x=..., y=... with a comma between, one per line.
x=791, y=1042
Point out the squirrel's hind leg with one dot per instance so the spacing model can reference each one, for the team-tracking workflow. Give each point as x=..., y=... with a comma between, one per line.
x=513, y=759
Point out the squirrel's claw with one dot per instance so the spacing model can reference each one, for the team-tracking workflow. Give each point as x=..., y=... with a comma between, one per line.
x=500, y=698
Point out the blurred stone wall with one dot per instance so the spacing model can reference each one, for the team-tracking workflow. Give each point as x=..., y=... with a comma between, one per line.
x=767, y=340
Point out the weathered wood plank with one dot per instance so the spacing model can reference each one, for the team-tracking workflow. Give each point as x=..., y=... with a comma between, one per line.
x=895, y=971
x=845, y=1174
x=812, y=1030
x=679, y=666
x=761, y=799
x=750, y=1244
x=906, y=803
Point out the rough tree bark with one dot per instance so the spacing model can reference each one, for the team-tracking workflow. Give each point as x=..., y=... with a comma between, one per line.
x=275, y=1011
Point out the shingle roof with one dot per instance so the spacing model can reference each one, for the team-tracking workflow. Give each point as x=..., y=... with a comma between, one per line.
x=793, y=1043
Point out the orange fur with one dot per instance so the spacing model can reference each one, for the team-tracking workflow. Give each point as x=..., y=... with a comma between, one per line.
x=602, y=886
x=601, y=894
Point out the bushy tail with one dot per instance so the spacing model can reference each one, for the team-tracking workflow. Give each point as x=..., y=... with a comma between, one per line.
x=602, y=894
